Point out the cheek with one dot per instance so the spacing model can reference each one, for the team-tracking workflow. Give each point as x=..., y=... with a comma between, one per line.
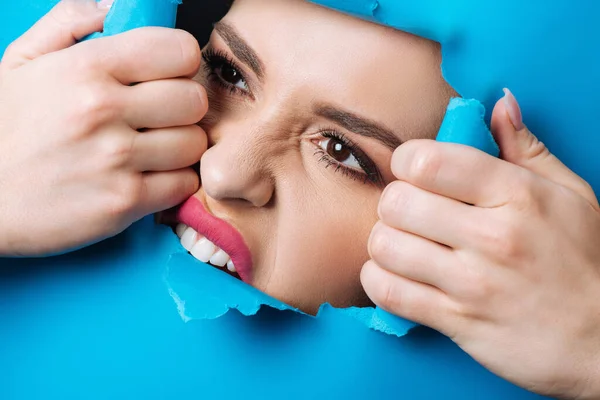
x=320, y=250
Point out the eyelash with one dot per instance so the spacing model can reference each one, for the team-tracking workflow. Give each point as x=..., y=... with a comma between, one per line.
x=215, y=59
x=370, y=173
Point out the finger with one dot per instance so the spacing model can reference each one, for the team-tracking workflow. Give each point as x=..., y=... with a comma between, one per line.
x=165, y=103
x=456, y=171
x=409, y=208
x=67, y=23
x=144, y=54
x=406, y=298
x=519, y=146
x=164, y=190
x=168, y=149
x=413, y=257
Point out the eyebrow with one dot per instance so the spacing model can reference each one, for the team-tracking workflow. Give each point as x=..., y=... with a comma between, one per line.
x=358, y=125
x=240, y=48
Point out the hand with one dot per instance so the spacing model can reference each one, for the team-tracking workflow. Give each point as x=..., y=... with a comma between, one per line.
x=83, y=152
x=502, y=256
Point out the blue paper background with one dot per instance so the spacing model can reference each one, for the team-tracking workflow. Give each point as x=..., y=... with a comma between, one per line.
x=110, y=321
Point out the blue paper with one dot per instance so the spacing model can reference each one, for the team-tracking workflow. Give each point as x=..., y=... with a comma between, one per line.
x=463, y=124
x=131, y=14
x=131, y=317
x=545, y=52
x=103, y=323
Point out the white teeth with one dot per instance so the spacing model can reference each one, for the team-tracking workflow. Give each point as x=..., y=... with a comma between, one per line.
x=203, y=250
x=180, y=229
x=230, y=266
x=220, y=258
x=189, y=238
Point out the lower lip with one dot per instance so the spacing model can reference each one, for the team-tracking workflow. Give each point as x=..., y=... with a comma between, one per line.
x=193, y=214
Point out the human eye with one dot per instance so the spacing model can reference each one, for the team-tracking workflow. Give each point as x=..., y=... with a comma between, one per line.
x=225, y=72
x=335, y=149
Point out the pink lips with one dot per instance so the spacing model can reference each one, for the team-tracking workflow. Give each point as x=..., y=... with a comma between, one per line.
x=193, y=214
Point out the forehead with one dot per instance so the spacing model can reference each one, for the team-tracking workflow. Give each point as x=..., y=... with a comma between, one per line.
x=365, y=67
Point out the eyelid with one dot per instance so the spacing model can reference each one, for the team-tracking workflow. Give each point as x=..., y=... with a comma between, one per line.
x=369, y=169
x=227, y=56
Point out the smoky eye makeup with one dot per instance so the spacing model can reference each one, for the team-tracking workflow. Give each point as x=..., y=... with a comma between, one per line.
x=224, y=72
x=340, y=154
x=334, y=149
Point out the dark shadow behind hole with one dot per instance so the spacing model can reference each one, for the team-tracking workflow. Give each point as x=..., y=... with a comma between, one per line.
x=198, y=16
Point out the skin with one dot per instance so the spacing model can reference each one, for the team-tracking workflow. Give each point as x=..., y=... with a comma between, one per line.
x=260, y=172
x=511, y=266
x=512, y=272
x=78, y=170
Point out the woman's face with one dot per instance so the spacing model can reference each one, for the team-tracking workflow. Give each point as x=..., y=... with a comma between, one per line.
x=306, y=108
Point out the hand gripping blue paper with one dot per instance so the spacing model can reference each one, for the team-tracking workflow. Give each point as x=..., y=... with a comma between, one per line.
x=463, y=124
x=136, y=317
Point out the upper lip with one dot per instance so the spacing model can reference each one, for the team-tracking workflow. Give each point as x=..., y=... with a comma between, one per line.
x=193, y=214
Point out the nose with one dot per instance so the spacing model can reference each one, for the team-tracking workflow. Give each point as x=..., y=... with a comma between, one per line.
x=236, y=169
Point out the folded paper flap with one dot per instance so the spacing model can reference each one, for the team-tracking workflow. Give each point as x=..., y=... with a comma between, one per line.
x=126, y=15
x=201, y=291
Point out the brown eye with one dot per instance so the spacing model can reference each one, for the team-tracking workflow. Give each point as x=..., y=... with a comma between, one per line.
x=231, y=75
x=340, y=152
x=225, y=71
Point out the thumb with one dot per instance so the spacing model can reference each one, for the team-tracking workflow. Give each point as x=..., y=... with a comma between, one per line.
x=521, y=147
x=67, y=23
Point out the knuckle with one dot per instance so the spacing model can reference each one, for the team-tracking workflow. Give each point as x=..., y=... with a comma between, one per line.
x=425, y=163
x=198, y=142
x=394, y=199
x=95, y=104
x=198, y=100
x=191, y=54
x=477, y=290
x=379, y=242
x=118, y=150
x=535, y=149
x=82, y=61
x=68, y=11
x=125, y=196
x=392, y=295
x=382, y=292
x=466, y=309
x=68, y=14
x=190, y=181
x=402, y=302
x=526, y=193
x=504, y=240
x=202, y=140
x=398, y=156
x=390, y=298
x=183, y=185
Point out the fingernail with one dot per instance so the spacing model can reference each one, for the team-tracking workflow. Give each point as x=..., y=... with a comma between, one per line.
x=513, y=110
x=105, y=4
